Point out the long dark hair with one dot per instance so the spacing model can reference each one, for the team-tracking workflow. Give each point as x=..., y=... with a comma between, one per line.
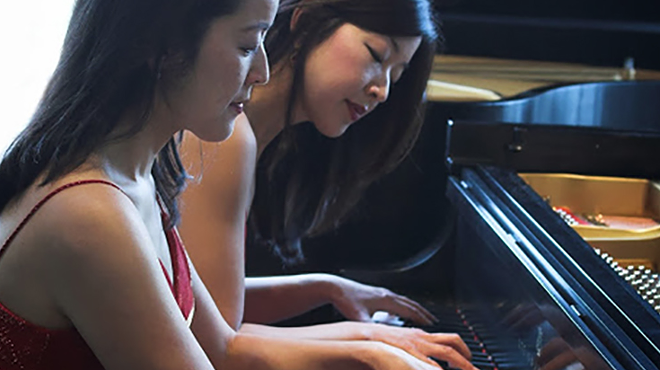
x=307, y=183
x=113, y=55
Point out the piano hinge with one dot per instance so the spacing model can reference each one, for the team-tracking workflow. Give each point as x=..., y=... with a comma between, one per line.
x=517, y=141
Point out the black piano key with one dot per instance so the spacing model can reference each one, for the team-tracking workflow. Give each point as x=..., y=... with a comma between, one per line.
x=489, y=351
x=481, y=365
x=485, y=359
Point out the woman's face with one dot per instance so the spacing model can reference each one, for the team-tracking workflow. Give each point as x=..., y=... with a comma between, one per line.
x=349, y=74
x=230, y=61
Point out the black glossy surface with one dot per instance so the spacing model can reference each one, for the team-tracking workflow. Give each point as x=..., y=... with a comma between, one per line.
x=629, y=106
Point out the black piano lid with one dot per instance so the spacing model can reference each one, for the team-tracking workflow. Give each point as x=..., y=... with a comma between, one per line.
x=615, y=105
x=605, y=128
x=598, y=129
x=514, y=248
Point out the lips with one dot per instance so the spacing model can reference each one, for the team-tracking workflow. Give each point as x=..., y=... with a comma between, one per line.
x=237, y=106
x=355, y=110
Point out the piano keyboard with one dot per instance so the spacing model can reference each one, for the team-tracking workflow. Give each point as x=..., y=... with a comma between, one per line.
x=489, y=351
x=644, y=280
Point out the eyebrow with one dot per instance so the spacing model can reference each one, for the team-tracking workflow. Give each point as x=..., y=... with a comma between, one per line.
x=257, y=26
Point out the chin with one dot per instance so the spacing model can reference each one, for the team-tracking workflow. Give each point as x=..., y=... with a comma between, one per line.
x=221, y=133
x=332, y=131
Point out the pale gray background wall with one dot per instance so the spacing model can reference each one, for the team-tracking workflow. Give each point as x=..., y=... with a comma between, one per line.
x=31, y=35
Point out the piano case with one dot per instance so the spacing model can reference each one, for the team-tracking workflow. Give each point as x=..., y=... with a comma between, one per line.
x=521, y=270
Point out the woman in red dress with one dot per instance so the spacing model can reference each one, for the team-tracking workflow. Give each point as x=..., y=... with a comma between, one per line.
x=92, y=271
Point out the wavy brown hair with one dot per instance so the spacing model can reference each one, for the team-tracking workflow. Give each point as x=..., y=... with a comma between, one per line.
x=307, y=183
x=112, y=57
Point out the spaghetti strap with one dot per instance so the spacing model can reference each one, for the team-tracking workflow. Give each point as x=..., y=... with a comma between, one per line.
x=46, y=199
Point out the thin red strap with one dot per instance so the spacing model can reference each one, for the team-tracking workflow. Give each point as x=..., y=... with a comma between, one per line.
x=167, y=276
x=43, y=201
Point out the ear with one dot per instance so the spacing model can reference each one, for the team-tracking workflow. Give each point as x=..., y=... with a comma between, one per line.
x=294, y=17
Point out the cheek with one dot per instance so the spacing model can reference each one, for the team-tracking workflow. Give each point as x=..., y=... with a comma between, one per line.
x=334, y=83
x=233, y=73
x=230, y=77
x=337, y=65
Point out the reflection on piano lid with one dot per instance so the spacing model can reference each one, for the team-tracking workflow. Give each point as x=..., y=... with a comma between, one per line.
x=626, y=105
x=505, y=222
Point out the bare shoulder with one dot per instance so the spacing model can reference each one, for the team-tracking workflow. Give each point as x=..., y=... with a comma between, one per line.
x=75, y=237
x=104, y=276
x=81, y=221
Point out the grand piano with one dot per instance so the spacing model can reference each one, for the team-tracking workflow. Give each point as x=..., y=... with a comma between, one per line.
x=471, y=224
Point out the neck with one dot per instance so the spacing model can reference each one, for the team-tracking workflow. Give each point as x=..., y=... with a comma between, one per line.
x=132, y=158
x=267, y=109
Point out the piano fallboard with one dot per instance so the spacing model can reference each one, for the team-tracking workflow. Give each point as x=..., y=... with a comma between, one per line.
x=514, y=253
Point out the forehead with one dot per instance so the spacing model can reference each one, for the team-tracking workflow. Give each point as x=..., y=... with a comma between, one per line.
x=255, y=11
x=401, y=46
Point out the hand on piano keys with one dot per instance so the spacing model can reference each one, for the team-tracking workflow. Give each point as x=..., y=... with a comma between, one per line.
x=447, y=349
x=357, y=302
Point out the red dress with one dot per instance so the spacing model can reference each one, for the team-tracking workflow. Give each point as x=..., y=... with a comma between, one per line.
x=26, y=346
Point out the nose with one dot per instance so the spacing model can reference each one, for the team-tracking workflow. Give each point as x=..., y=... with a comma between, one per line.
x=379, y=89
x=259, y=73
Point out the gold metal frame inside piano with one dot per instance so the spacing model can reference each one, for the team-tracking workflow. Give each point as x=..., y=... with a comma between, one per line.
x=594, y=196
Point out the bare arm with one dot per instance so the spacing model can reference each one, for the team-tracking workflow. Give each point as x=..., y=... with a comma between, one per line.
x=416, y=342
x=214, y=213
x=275, y=298
x=288, y=296
x=250, y=350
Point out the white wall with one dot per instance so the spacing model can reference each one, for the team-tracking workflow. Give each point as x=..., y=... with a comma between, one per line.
x=31, y=35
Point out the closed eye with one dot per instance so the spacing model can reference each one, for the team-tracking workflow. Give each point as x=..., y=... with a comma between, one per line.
x=374, y=54
x=249, y=50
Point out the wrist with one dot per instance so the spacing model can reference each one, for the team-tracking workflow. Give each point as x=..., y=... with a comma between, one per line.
x=333, y=287
x=326, y=287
